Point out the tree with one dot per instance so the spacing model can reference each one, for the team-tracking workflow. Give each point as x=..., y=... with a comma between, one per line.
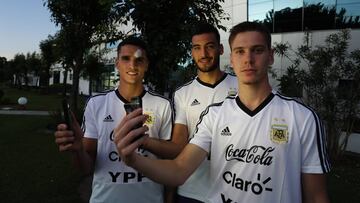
x=330, y=79
x=49, y=57
x=17, y=67
x=166, y=26
x=3, y=62
x=33, y=65
x=84, y=23
x=93, y=70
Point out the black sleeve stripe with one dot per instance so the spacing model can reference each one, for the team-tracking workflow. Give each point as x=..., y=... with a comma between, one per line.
x=320, y=135
x=184, y=85
x=206, y=111
x=325, y=165
x=173, y=97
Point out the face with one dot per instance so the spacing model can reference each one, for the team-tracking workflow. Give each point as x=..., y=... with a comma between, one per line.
x=251, y=57
x=132, y=64
x=206, y=51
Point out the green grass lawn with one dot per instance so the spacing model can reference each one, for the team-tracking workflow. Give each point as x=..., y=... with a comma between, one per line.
x=31, y=168
x=37, y=100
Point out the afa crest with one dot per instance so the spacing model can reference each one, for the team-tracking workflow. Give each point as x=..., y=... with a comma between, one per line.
x=279, y=134
x=151, y=118
x=232, y=92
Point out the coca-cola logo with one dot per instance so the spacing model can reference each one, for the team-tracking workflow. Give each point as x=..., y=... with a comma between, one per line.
x=255, y=154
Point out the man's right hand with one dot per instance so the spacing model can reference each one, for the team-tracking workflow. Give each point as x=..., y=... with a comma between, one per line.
x=69, y=140
x=128, y=138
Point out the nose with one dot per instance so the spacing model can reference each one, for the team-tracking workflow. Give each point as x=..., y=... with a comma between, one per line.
x=204, y=53
x=248, y=57
x=133, y=64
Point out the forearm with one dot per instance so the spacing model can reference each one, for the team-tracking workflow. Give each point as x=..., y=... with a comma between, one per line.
x=170, y=172
x=83, y=161
x=314, y=188
x=162, y=148
x=166, y=172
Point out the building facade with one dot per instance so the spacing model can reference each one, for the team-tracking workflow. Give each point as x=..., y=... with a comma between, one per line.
x=289, y=20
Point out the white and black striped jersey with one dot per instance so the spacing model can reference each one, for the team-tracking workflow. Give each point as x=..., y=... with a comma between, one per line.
x=189, y=101
x=113, y=180
x=259, y=156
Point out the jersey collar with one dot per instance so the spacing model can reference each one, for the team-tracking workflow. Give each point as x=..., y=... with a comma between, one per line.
x=258, y=109
x=126, y=101
x=210, y=85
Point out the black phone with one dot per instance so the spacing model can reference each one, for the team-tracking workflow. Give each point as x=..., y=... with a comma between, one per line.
x=134, y=104
x=66, y=113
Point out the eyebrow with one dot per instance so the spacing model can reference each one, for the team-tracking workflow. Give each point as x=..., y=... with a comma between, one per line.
x=255, y=46
x=209, y=43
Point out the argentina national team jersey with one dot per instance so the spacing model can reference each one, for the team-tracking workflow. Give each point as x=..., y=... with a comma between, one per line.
x=258, y=156
x=189, y=101
x=113, y=180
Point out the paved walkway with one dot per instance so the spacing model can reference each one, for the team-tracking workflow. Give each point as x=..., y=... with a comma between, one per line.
x=24, y=112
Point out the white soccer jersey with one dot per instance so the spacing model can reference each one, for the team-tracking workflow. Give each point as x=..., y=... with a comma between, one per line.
x=258, y=156
x=189, y=101
x=113, y=180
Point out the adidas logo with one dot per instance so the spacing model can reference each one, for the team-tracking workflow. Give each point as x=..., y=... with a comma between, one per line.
x=108, y=119
x=226, y=132
x=195, y=102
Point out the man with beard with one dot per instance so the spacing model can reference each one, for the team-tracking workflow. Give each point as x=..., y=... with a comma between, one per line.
x=210, y=86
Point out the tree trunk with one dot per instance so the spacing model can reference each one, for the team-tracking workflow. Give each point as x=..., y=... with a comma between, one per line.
x=65, y=81
x=75, y=87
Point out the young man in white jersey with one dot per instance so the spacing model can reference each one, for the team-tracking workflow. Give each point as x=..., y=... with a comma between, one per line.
x=210, y=86
x=264, y=147
x=93, y=148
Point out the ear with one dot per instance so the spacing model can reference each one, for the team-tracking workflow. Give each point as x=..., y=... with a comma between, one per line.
x=221, y=49
x=117, y=63
x=271, y=57
x=231, y=60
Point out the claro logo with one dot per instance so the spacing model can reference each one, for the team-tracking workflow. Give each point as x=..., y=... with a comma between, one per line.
x=256, y=186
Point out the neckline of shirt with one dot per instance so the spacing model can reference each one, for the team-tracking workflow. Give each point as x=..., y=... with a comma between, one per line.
x=258, y=109
x=126, y=101
x=212, y=85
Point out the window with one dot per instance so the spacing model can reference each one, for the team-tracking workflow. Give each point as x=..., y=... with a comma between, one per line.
x=288, y=15
x=300, y=15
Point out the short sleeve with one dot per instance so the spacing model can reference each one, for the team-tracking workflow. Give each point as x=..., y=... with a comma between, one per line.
x=166, y=122
x=313, y=147
x=204, y=129
x=89, y=124
x=179, y=109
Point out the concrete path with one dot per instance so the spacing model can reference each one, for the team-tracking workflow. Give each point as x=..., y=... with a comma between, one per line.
x=24, y=112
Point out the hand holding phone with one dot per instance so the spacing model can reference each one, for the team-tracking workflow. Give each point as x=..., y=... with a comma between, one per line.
x=66, y=113
x=131, y=106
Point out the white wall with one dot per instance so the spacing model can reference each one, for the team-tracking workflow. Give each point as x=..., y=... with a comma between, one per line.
x=295, y=39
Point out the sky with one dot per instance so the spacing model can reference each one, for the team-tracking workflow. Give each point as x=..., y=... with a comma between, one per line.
x=23, y=24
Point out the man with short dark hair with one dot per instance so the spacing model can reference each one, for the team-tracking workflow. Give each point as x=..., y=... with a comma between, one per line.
x=211, y=85
x=94, y=150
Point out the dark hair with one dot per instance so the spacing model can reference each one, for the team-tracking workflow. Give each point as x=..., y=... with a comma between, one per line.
x=133, y=40
x=250, y=26
x=205, y=27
